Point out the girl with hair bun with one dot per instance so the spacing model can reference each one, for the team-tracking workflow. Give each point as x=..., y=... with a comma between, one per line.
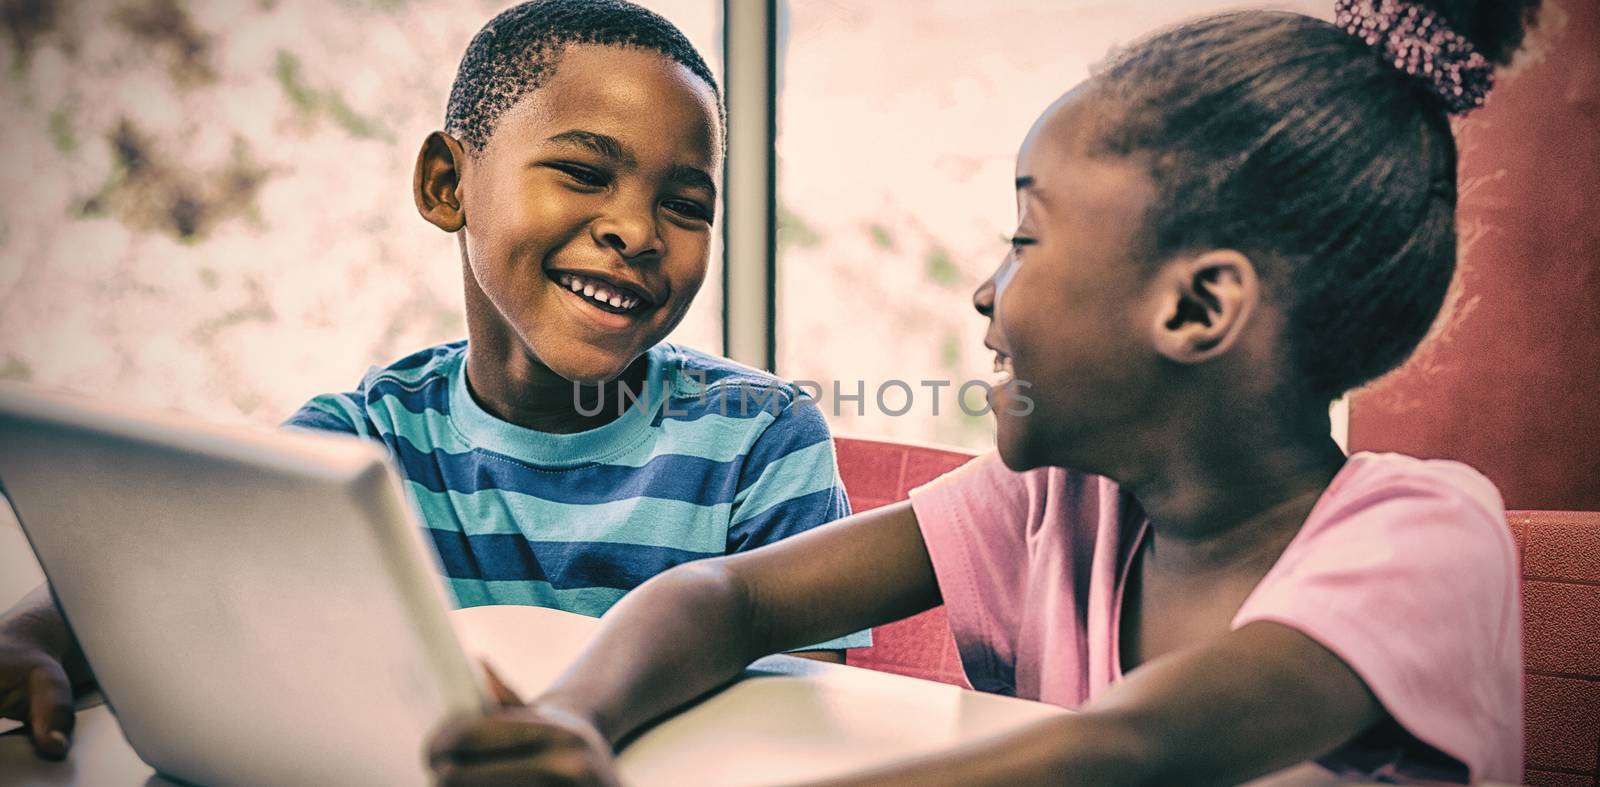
x=1223, y=229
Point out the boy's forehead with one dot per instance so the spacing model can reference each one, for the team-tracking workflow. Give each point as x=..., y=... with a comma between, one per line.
x=619, y=91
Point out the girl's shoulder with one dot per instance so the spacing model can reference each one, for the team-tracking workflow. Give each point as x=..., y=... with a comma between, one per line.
x=1394, y=486
x=1438, y=474
x=1391, y=517
x=1406, y=570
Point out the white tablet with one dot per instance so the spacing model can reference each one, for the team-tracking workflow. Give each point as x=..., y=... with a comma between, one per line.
x=259, y=607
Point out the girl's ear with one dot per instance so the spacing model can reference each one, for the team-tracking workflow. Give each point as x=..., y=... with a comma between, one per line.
x=436, y=184
x=1204, y=304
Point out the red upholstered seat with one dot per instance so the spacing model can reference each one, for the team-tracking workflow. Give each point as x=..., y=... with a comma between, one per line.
x=1561, y=641
x=875, y=474
x=1560, y=553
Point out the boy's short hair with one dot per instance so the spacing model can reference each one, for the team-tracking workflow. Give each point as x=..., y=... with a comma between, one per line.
x=519, y=49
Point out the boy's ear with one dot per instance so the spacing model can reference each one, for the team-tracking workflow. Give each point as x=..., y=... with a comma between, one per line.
x=1204, y=303
x=436, y=184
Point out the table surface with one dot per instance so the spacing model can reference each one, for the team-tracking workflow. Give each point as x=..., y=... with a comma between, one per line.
x=788, y=720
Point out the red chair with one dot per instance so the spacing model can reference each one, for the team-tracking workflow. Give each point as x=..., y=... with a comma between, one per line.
x=1560, y=553
x=877, y=473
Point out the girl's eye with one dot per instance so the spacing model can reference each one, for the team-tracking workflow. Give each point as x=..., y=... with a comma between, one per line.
x=688, y=208
x=1018, y=241
x=584, y=176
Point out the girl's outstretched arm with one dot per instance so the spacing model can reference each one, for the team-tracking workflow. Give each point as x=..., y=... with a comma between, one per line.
x=1256, y=700
x=691, y=630
x=1247, y=703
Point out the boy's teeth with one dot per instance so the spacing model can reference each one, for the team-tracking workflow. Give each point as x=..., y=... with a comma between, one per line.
x=599, y=292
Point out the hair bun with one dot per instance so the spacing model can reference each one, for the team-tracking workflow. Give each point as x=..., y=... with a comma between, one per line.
x=1419, y=41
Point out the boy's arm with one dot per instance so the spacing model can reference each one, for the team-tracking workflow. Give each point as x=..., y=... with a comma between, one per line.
x=342, y=413
x=862, y=571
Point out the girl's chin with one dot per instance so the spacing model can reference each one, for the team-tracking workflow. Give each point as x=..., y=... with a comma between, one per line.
x=1014, y=451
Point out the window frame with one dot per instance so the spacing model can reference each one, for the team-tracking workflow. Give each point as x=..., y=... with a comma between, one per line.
x=749, y=227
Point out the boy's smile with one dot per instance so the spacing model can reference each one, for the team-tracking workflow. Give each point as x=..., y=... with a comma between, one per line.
x=585, y=220
x=602, y=293
x=604, y=302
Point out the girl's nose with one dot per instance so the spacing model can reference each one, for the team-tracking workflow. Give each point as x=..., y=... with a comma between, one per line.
x=983, y=297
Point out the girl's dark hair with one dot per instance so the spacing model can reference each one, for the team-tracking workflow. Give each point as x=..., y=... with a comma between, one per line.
x=1284, y=137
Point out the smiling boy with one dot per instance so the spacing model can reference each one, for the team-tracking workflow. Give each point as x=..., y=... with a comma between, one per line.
x=562, y=454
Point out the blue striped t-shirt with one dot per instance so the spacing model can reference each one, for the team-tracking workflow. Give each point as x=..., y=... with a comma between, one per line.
x=715, y=458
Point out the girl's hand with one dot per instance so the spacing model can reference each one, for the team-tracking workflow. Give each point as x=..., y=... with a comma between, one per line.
x=523, y=745
x=34, y=689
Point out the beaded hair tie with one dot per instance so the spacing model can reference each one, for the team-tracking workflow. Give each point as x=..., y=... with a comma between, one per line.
x=1418, y=41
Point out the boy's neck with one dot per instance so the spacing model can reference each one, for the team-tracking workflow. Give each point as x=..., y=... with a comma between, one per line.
x=511, y=385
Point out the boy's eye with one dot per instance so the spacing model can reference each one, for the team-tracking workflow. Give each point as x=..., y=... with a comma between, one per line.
x=688, y=208
x=585, y=176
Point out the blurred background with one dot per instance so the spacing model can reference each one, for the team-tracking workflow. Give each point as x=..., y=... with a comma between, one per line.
x=207, y=206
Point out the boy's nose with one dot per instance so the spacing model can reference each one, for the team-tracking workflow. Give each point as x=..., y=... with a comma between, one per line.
x=631, y=234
